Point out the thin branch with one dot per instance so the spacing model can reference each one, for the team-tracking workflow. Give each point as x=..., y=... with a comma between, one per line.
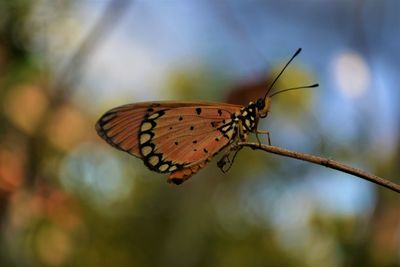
x=324, y=162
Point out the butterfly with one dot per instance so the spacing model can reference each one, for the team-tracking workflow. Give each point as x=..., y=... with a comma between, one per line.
x=180, y=138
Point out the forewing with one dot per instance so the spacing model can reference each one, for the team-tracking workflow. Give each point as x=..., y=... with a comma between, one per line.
x=177, y=138
x=120, y=126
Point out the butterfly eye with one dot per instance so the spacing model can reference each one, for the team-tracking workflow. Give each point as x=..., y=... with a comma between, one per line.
x=260, y=104
x=263, y=106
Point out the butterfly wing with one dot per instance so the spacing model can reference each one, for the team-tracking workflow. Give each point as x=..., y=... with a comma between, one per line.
x=120, y=127
x=179, y=138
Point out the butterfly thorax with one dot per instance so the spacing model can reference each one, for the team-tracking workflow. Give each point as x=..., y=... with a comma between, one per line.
x=242, y=122
x=248, y=116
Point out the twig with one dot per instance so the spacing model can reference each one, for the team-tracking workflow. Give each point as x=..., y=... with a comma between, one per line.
x=324, y=162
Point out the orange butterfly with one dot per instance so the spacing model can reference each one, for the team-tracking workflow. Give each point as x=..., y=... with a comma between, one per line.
x=181, y=137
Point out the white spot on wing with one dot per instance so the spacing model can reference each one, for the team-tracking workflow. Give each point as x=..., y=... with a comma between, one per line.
x=144, y=138
x=146, y=150
x=163, y=167
x=226, y=128
x=230, y=133
x=154, y=160
x=146, y=126
x=154, y=116
x=172, y=168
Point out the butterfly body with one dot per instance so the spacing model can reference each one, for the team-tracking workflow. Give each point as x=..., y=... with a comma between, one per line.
x=177, y=138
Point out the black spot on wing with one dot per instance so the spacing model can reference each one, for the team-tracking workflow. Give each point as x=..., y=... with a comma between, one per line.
x=198, y=111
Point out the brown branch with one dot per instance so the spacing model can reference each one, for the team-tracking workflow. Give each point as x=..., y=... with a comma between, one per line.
x=324, y=162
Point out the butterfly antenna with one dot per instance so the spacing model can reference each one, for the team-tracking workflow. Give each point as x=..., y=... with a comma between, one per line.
x=295, y=88
x=283, y=69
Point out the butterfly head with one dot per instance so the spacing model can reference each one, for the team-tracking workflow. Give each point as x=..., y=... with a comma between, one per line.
x=263, y=105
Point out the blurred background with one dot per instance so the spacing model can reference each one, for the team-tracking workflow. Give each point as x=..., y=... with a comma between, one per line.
x=69, y=199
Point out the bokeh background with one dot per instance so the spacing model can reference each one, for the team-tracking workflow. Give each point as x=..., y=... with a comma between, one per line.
x=69, y=199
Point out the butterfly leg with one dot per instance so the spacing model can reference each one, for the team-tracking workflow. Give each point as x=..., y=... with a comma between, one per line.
x=233, y=147
x=263, y=132
x=226, y=160
x=256, y=131
x=223, y=161
x=242, y=132
x=233, y=158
